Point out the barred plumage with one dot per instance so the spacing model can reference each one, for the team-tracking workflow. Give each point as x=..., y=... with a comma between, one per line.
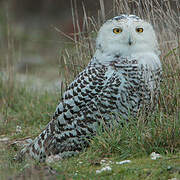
x=117, y=81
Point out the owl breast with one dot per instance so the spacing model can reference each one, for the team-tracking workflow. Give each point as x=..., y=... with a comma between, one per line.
x=131, y=87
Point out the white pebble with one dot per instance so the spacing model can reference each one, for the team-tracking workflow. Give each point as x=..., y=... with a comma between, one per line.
x=123, y=162
x=155, y=156
x=106, y=168
x=103, y=161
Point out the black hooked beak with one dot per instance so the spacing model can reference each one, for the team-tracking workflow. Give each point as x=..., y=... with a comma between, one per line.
x=130, y=41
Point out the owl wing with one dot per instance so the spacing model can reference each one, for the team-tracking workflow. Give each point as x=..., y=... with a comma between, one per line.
x=81, y=91
x=65, y=133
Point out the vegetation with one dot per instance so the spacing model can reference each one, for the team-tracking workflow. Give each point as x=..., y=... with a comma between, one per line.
x=32, y=110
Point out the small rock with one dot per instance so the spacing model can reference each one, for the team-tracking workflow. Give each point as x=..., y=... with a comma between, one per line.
x=106, y=168
x=103, y=161
x=76, y=173
x=123, y=162
x=155, y=156
x=169, y=168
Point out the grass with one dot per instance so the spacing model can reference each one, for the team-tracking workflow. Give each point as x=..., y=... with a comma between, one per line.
x=140, y=168
x=32, y=110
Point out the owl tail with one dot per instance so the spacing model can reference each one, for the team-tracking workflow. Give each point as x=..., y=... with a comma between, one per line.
x=40, y=147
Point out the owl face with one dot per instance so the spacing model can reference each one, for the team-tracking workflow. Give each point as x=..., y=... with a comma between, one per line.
x=126, y=35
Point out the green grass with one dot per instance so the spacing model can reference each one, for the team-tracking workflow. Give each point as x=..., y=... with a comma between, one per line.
x=139, y=168
x=24, y=107
x=136, y=140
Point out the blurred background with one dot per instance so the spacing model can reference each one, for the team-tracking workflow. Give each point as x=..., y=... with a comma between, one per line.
x=30, y=43
x=32, y=39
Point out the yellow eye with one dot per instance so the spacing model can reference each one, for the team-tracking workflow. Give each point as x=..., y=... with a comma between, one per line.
x=139, y=30
x=117, y=30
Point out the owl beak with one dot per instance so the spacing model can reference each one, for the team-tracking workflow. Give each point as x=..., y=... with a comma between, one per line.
x=130, y=41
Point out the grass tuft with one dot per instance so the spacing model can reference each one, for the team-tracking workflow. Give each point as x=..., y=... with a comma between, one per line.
x=135, y=138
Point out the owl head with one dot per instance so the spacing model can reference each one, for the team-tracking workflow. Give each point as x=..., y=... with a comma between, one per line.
x=127, y=35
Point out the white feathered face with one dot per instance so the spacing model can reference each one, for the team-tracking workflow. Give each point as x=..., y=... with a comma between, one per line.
x=127, y=35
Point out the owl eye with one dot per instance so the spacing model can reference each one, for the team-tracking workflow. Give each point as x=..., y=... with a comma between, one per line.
x=117, y=30
x=139, y=30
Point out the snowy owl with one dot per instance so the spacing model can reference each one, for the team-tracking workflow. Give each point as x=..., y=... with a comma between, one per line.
x=122, y=77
